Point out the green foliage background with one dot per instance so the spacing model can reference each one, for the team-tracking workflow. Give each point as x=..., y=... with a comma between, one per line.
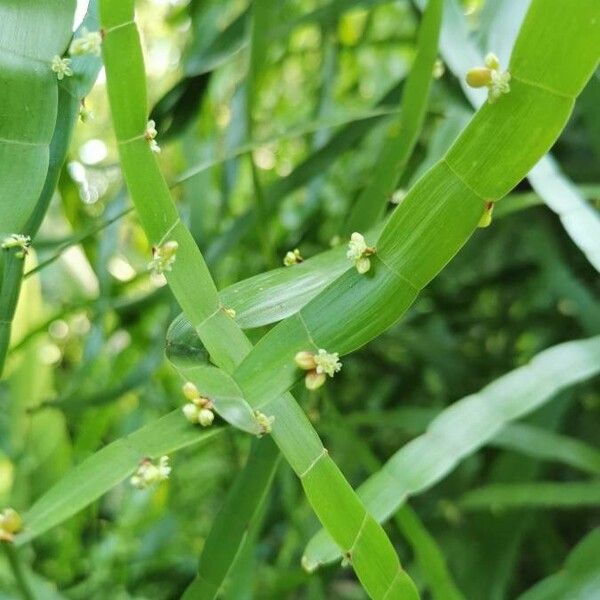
x=87, y=363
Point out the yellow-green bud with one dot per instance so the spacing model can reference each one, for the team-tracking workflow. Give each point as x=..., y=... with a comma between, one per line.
x=314, y=380
x=479, y=77
x=491, y=61
x=11, y=521
x=206, y=417
x=363, y=265
x=265, y=423
x=305, y=360
x=191, y=412
x=293, y=257
x=190, y=391
x=486, y=217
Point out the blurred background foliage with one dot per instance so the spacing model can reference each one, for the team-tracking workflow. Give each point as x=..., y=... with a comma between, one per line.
x=87, y=363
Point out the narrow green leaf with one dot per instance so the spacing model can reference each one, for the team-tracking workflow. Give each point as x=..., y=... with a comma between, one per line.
x=545, y=445
x=108, y=467
x=540, y=494
x=232, y=523
x=579, y=579
x=403, y=134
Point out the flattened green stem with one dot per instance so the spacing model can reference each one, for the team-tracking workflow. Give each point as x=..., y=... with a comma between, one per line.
x=442, y=210
x=373, y=556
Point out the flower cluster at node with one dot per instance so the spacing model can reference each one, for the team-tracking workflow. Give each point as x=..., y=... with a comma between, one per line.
x=293, y=257
x=61, y=66
x=148, y=473
x=490, y=76
x=230, y=312
x=198, y=410
x=89, y=42
x=486, y=217
x=359, y=252
x=16, y=240
x=150, y=134
x=265, y=423
x=163, y=257
x=11, y=523
x=318, y=365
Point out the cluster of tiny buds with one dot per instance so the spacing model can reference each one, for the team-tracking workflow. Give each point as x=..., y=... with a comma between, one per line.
x=486, y=217
x=293, y=257
x=264, y=423
x=16, y=240
x=318, y=365
x=150, y=134
x=198, y=410
x=163, y=257
x=89, y=42
x=359, y=252
x=148, y=473
x=490, y=76
x=439, y=68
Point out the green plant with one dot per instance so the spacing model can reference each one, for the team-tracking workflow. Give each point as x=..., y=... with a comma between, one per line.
x=257, y=352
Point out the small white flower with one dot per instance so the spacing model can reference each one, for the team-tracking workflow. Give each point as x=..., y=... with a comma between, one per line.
x=163, y=257
x=89, y=42
x=318, y=365
x=357, y=246
x=265, y=423
x=148, y=473
x=490, y=76
x=500, y=85
x=61, y=66
x=150, y=134
x=327, y=362
x=293, y=257
x=16, y=240
x=164, y=468
x=230, y=312
x=359, y=252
